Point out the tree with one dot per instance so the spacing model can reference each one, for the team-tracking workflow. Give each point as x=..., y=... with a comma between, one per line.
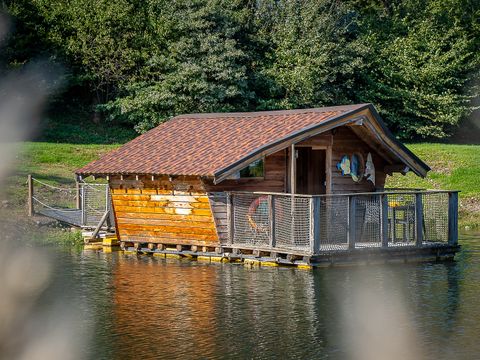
x=94, y=38
x=314, y=56
x=424, y=56
x=194, y=62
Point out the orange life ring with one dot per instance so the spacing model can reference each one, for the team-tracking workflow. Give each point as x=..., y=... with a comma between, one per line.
x=252, y=209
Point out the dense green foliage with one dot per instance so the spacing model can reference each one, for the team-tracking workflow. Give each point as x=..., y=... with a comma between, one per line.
x=141, y=62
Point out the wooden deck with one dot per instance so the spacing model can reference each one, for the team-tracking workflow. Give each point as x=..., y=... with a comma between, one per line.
x=307, y=231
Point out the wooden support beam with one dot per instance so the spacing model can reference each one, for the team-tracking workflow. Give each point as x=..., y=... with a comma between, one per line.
x=352, y=221
x=78, y=198
x=30, y=195
x=328, y=170
x=453, y=218
x=419, y=219
x=400, y=168
x=99, y=226
x=293, y=169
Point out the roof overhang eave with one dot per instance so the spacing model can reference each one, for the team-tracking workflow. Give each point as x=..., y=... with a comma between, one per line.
x=408, y=158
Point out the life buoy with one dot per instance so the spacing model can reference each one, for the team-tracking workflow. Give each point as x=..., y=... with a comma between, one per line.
x=252, y=209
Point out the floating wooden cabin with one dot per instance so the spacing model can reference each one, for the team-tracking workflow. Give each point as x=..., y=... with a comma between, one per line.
x=295, y=186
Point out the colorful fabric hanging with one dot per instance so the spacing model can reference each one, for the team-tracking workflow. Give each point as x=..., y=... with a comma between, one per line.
x=344, y=165
x=355, y=167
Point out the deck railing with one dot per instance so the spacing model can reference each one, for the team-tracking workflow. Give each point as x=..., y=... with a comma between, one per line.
x=314, y=224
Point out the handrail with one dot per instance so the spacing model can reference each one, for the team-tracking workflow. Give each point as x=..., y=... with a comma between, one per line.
x=347, y=194
x=53, y=187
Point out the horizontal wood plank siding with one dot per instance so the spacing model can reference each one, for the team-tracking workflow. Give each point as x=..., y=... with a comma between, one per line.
x=163, y=210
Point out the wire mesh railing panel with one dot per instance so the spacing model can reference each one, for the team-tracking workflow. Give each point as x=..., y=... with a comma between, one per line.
x=292, y=222
x=401, y=219
x=342, y=222
x=95, y=202
x=435, y=217
x=333, y=223
x=251, y=219
x=368, y=221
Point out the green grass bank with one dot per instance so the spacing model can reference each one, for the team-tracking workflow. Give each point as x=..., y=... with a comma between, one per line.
x=454, y=167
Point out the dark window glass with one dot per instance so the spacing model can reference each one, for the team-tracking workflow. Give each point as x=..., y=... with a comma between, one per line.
x=255, y=169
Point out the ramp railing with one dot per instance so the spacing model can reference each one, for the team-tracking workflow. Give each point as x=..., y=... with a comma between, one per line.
x=81, y=205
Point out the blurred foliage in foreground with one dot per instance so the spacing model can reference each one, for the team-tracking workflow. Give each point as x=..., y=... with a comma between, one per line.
x=138, y=63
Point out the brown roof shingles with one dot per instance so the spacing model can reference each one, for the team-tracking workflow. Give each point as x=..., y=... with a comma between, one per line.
x=203, y=144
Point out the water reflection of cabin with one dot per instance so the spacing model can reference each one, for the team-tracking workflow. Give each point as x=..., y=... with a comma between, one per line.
x=286, y=186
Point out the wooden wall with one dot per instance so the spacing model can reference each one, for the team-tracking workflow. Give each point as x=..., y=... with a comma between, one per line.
x=346, y=142
x=274, y=180
x=163, y=211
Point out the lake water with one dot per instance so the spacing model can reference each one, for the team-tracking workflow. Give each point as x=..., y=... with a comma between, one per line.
x=148, y=308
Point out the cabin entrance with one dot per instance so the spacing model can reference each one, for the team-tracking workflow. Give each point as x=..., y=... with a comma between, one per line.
x=310, y=169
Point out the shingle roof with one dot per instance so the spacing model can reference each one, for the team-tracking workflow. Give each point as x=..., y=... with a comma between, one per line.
x=203, y=144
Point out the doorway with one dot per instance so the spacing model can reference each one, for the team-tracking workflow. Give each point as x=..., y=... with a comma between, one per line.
x=310, y=169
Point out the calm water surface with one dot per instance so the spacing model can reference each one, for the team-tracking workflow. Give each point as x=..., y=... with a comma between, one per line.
x=149, y=308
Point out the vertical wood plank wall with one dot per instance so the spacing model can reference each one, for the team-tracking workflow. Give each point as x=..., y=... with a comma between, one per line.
x=163, y=211
x=346, y=142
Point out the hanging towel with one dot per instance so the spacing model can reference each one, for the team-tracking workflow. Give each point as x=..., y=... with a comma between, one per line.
x=370, y=169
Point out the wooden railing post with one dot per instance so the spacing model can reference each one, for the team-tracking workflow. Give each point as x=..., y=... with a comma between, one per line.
x=271, y=212
x=419, y=219
x=108, y=206
x=352, y=223
x=315, y=225
x=384, y=220
x=230, y=219
x=78, y=199
x=83, y=207
x=453, y=218
x=30, y=195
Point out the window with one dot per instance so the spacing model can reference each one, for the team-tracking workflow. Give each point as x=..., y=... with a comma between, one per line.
x=255, y=169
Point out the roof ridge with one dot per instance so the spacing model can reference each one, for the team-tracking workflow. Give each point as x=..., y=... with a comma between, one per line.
x=269, y=112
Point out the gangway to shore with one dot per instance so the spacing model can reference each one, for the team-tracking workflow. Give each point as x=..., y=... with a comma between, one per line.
x=82, y=205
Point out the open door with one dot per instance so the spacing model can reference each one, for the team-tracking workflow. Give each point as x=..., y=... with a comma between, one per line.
x=310, y=171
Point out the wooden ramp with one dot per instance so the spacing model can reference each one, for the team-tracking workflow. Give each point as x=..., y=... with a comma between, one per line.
x=68, y=216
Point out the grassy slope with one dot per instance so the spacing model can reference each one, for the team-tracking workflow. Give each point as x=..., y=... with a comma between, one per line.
x=49, y=161
x=454, y=167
